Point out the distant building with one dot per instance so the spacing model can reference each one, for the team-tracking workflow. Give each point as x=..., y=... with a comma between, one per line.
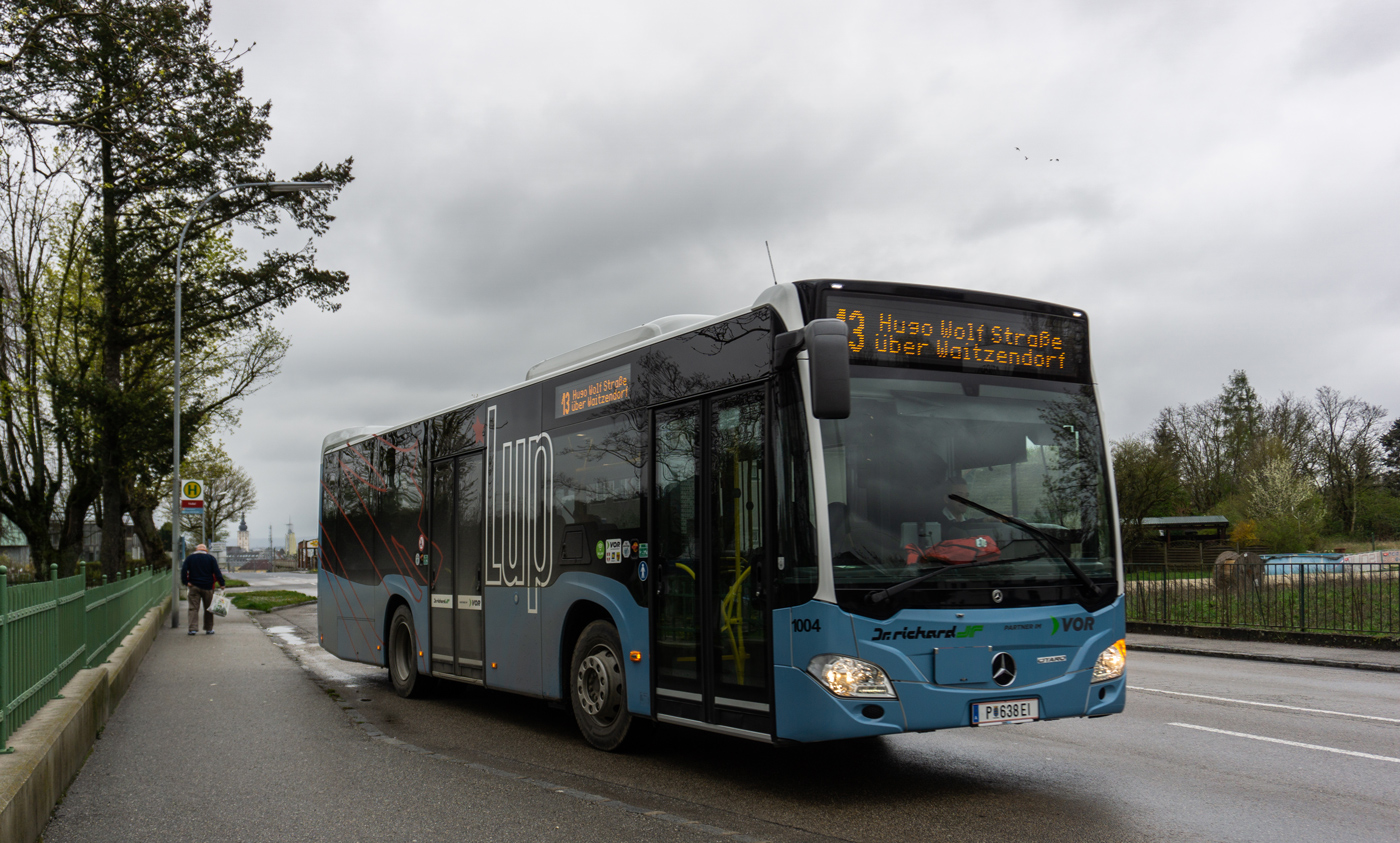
x=15, y=551
x=290, y=547
x=14, y=547
x=243, y=533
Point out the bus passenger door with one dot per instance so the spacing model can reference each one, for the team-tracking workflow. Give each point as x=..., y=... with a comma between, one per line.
x=712, y=650
x=456, y=584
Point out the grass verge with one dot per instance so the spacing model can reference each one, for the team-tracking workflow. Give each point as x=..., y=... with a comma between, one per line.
x=267, y=601
x=230, y=582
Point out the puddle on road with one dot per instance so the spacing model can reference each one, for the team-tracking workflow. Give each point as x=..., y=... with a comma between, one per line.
x=286, y=633
x=318, y=661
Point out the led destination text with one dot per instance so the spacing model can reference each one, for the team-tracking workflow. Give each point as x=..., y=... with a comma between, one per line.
x=591, y=393
x=956, y=336
x=970, y=341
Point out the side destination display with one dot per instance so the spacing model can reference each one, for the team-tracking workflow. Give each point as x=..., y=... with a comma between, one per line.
x=968, y=338
x=593, y=392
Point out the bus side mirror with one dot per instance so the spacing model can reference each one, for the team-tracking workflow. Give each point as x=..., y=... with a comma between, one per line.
x=828, y=367
x=828, y=364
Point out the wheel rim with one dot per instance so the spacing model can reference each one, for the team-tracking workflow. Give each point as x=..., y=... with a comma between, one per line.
x=403, y=653
x=599, y=684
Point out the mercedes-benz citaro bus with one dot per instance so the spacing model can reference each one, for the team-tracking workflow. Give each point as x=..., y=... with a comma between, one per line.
x=851, y=509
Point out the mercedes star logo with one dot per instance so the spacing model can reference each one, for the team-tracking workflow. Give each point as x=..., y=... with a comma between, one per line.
x=996, y=595
x=1003, y=669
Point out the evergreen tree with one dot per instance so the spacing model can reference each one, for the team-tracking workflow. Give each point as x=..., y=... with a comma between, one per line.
x=1390, y=457
x=1241, y=418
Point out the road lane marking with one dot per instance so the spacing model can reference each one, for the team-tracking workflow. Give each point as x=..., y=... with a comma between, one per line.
x=1266, y=705
x=1288, y=743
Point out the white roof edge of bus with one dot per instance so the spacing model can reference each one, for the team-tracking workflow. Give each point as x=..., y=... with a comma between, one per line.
x=783, y=298
x=346, y=436
x=607, y=346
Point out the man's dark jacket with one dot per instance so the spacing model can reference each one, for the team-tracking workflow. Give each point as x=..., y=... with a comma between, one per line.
x=200, y=570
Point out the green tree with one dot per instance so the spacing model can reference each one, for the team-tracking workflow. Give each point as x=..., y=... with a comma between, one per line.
x=1241, y=417
x=152, y=110
x=1378, y=514
x=1390, y=457
x=48, y=482
x=1285, y=506
x=1145, y=481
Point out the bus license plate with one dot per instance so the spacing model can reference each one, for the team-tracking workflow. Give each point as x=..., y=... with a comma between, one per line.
x=1005, y=711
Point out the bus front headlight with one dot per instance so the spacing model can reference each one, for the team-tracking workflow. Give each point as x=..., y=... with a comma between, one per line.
x=850, y=677
x=1111, y=662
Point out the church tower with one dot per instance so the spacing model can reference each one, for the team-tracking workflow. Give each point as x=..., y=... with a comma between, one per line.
x=243, y=533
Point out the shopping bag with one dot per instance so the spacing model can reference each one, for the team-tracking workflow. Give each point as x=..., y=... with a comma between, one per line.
x=220, y=604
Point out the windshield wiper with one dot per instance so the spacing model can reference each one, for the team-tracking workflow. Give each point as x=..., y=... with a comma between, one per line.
x=886, y=593
x=1041, y=538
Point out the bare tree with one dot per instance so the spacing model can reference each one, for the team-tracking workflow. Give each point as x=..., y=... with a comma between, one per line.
x=1289, y=420
x=228, y=491
x=1194, y=437
x=1346, y=436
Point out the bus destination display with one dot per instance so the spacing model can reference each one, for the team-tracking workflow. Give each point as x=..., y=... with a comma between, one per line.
x=969, y=338
x=590, y=393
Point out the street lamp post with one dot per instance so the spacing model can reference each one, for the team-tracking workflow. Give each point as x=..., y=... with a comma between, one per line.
x=270, y=187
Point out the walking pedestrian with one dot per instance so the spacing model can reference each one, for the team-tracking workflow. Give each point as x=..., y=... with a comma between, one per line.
x=199, y=573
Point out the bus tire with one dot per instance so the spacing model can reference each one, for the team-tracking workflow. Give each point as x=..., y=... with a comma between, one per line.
x=403, y=665
x=598, y=687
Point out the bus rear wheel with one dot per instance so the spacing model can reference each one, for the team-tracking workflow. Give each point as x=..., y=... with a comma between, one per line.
x=403, y=664
x=598, y=687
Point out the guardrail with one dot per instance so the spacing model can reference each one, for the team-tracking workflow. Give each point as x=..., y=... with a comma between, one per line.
x=1317, y=595
x=51, y=629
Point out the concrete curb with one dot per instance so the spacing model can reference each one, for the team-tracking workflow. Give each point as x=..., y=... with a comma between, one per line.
x=51, y=748
x=1264, y=657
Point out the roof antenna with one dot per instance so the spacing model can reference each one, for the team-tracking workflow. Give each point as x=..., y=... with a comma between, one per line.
x=770, y=262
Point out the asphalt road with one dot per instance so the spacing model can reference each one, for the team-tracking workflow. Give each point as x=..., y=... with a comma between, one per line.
x=1209, y=749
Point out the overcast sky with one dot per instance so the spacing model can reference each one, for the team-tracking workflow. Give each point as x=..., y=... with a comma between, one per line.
x=530, y=177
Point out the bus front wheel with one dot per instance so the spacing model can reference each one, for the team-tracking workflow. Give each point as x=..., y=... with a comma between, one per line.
x=598, y=687
x=403, y=664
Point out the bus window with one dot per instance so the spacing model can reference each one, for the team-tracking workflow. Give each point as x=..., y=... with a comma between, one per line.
x=737, y=468
x=598, y=488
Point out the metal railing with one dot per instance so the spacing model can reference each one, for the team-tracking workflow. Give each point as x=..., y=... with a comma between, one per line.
x=51, y=629
x=1271, y=593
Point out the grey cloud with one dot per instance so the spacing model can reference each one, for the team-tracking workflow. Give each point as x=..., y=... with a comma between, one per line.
x=528, y=182
x=1354, y=38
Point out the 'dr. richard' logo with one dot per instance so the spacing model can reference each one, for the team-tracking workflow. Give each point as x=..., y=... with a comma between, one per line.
x=919, y=632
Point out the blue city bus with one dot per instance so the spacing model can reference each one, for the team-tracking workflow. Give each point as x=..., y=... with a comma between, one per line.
x=854, y=508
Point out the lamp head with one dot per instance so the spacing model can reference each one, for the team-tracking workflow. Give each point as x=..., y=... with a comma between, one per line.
x=297, y=186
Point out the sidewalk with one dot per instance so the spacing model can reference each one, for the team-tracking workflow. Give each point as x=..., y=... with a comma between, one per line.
x=223, y=736
x=1346, y=657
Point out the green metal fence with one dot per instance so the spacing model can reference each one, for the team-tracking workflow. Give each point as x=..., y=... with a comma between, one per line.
x=51, y=629
x=1304, y=596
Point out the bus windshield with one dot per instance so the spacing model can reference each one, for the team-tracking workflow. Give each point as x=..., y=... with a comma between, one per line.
x=1017, y=449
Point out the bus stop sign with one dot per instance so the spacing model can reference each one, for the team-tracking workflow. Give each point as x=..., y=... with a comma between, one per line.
x=192, y=496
